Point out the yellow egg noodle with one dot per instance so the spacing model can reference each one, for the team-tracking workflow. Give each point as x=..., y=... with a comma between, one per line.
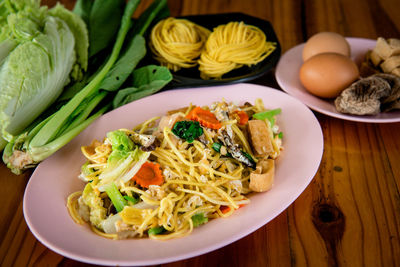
x=203, y=176
x=232, y=46
x=177, y=43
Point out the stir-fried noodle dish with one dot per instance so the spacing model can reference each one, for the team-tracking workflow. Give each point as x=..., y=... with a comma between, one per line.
x=171, y=174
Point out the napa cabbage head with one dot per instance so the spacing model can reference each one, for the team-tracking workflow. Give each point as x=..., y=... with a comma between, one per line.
x=41, y=51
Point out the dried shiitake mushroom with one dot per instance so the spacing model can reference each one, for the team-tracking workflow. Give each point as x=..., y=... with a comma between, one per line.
x=369, y=96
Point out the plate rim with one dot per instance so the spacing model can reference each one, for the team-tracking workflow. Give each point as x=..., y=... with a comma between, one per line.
x=197, y=252
x=316, y=107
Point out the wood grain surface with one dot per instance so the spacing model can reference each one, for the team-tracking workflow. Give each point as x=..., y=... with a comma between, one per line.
x=349, y=215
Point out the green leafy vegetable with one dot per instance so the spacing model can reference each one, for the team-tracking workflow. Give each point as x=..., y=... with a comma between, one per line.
x=125, y=65
x=122, y=165
x=82, y=8
x=121, y=145
x=269, y=115
x=39, y=55
x=85, y=170
x=199, y=219
x=79, y=30
x=120, y=141
x=103, y=19
x=146, y=81
x=93, y=200
x=116, y=197
x=217, y=146
x=156, y=230
x=47, y=136
x=187, y=130
x=131, y=200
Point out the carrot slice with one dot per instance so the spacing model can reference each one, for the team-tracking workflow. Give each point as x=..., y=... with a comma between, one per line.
x=243, y=117
x=224, y=209
x=205, y=117
x=149, y=174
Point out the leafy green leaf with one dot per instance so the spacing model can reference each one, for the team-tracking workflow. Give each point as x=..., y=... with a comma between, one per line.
x=125, y=64
x=121, y=145
x=187, y=130
x=52, y=128
x=34, y=74
x=83, y=103
x=146, y=81
x=80, y=32
x=83, y=8
x=104, y=22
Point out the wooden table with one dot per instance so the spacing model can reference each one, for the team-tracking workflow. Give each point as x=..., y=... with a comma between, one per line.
x=350, y=213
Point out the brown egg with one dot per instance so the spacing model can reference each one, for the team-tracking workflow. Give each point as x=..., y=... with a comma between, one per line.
x=328, y=74
x=325, y=42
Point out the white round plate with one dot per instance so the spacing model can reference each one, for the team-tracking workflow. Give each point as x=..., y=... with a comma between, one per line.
x=287, y=76
x=55, y=178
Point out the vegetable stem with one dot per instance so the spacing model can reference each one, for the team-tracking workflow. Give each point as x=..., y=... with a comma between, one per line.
x=52, y=127
x=116, y=197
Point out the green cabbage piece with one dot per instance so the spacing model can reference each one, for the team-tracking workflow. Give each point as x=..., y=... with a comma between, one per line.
x=199, y=219
x=92, y=199
x=121, y=145
x=124, y=161
x=39, y=55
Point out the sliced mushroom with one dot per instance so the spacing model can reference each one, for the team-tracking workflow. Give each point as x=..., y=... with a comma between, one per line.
x=263, y=177
x=169, y=122
x=260, y=138
x=142, y=139
x=179, y=110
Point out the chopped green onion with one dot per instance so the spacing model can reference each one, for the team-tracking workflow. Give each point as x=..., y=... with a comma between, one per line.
x=132, y=200
x=249, y=157
x=217, y=146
